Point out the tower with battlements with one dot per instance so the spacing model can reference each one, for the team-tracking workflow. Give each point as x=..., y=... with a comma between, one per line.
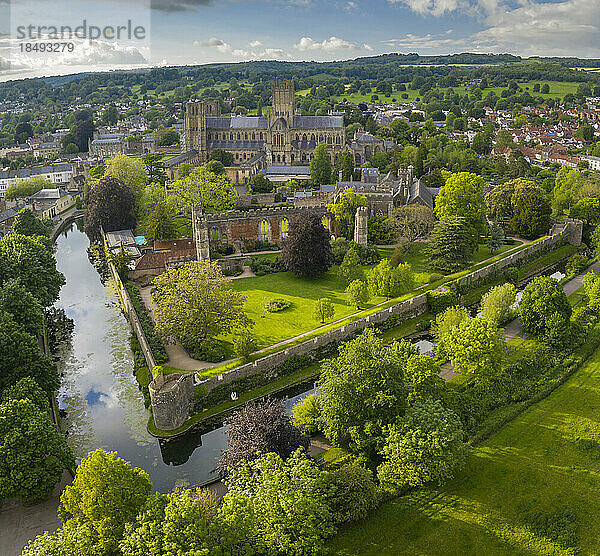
x=361, y=225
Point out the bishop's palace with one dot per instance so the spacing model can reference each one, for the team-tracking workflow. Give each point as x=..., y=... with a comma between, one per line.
x=281, y=138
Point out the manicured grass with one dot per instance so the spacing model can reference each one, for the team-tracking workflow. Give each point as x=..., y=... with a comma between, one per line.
x=540, y=471
x=271, y=328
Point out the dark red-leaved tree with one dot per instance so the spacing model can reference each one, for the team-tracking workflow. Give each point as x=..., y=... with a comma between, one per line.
x=260, y=427
x=111, y=206
x=307, y=250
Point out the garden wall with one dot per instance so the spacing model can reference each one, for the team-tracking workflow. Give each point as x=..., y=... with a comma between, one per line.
x=406, y=309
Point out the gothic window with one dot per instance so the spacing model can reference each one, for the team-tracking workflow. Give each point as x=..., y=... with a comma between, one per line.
x=329, y=140
x=214, y=234
x=357, y=159
x=285, y=224
x=312, y=137
x=292, y=157
x=253, y=136
x=261, y=136
x=239, y=136
x=264, y=229
x=246, y=136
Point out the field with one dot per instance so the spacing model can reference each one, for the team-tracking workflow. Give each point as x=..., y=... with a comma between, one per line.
x=558, y=89
x=531, y=489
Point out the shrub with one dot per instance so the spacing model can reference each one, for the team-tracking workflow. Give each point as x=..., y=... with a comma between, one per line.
x=511, y=274
x=440, y=301
x=262, y=267
x=277, y=305
x=576, y=264
x=213, y=351
x=350, y=492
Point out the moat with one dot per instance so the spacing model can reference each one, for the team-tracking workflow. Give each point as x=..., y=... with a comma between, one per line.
x=101, y=403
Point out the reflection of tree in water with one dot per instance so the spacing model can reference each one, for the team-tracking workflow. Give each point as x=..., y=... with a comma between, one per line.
x=59, y=329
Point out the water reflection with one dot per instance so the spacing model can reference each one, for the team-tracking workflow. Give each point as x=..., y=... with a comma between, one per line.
x=104, y=407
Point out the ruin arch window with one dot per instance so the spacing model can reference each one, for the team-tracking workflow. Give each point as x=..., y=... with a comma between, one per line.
x=264, y=230
x=261, y=136
x=253, y=136
x=214, y=234
x=285, y=226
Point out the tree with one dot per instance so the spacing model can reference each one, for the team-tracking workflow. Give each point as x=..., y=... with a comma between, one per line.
x=592, y=290
x=567, y=184
x=345, y=165
x=586, y=132
x=451, y=245
x=587, y=209
x=412, y=222
x=281, y=502
x=84, y=131
x=462, y=196
x=21, y=357
x=213, y=191
x=110, y=115
x=387, y=281
x=444, y=325
x=168, y=138
x=306, y=414
x=350, y=268
x=183, y=170
x=260, y=184
x=131, y=172
x=320, y=166
x=23, y=131
x=28, y=389
x=323, y=310
x=427, y=446
x=161, y=223
x=111, y=207
x=194, y=302
x=350, y=492
x=258, y=428
x=31, y=261
x=532, y=211
x=496, y=304
x=73, y=542
x=155, y=170
x=33, y=452
x=224, y=157
x=178, y=523
x=362, y=390
x=27, y=224
x=26, y=188
x=358, y=293
x=476, y=347
x=106, y=493
x=495, y=239
x=545, y=311
x=26, y=311
x=307, y=251
x=345, y=211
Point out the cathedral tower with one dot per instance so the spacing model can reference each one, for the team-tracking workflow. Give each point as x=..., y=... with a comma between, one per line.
x=283, y=101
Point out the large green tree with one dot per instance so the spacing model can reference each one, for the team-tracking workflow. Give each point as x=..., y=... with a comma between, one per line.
x=344, y=211
x=320, y=166
x=212, y=191
x=20, y=356
x=452, y=244
x=111, y=207
x=26, y=188
x=31, y=261
x=476, y=347
x=195, y=302
x=27, y=224
x=307, y=250
x=131, y=172
x=388, y=281
x=362, y=390
x=545, y=311
x=462, y=196
x=26, y=311
x=281, y=502
x=105, y=495
x=33, y=452
x=532, y=211
x=426, y=446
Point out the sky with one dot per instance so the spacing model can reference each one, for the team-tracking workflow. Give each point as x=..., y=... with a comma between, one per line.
x=179, y=32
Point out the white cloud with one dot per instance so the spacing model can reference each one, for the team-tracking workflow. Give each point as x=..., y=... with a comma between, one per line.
x=432, y=7
x=415, y=42
x=350, y=7
x=254, y=44
x=368, y=47
x=331, y=44
x=242, y=54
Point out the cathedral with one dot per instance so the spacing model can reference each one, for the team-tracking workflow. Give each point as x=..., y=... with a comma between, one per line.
x=281, y=138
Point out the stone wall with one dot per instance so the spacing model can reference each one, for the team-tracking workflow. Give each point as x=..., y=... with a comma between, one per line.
x=408, y=309
x=171, y=397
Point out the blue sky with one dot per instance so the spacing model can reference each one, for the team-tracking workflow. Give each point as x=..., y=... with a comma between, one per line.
x=203, y=31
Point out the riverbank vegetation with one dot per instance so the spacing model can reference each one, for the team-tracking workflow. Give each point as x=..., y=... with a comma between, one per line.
x=33, y=452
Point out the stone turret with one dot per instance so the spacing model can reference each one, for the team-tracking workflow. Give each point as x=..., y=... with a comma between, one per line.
x=360, y=225
x=200, y=231
x=171, y=397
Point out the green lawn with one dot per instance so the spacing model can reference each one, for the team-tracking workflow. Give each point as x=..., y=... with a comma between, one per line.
x=271, y=328
x=531, y=489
